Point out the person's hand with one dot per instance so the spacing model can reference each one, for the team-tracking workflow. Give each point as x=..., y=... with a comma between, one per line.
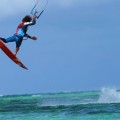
x=34, y=16
x=34, y=38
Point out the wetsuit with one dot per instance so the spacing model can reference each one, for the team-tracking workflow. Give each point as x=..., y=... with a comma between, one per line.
x=20, y=33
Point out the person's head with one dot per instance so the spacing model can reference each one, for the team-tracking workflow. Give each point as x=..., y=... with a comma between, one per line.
x=27, y=18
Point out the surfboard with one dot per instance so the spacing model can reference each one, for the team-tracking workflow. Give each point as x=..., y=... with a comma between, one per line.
x=8, y=52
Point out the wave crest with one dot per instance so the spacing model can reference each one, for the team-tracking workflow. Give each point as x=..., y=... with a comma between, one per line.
x=109, y=95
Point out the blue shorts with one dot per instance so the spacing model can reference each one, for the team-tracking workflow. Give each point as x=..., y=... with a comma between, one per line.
x=16, y=39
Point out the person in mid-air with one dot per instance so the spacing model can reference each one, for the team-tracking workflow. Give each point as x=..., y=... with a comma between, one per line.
x=21, y=32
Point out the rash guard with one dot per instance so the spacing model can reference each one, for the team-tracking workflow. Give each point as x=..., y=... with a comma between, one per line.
x=22, y=28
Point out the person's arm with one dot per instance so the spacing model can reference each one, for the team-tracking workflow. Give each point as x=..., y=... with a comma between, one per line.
x=33, y=22
x=28, y=36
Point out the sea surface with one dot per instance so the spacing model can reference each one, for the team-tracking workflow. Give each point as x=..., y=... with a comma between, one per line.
x=88, y=105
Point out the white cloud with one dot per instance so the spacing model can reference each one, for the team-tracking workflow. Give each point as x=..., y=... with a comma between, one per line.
x=12, y=7
x=67, y=3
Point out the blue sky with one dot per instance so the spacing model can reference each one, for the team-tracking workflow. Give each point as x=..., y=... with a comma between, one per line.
x=77, y=47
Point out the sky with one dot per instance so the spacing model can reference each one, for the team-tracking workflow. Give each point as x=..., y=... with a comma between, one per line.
x=78, y=47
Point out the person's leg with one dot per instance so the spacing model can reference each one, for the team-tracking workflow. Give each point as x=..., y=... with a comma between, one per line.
x=11, y=39
x=3, y=39
x=19, y=42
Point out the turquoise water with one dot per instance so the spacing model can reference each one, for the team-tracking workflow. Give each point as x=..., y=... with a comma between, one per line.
x=90, y=105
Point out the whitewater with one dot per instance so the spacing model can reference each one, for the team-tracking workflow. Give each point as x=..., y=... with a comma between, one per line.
x=85, y=105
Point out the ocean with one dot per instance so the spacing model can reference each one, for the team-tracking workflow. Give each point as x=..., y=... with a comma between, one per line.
x=85, y=105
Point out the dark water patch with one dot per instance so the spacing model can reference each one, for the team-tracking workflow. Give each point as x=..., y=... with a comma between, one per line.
x=33, y=106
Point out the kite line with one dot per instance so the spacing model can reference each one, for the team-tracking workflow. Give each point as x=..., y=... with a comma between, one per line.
x=34, y=12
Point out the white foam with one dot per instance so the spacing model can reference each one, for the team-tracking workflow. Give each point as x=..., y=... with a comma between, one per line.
x=109, y=95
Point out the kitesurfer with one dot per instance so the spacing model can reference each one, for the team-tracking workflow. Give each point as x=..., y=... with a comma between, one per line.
x=21, y=32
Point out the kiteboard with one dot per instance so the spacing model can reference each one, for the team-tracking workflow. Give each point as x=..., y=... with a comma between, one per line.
x=8, y=52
